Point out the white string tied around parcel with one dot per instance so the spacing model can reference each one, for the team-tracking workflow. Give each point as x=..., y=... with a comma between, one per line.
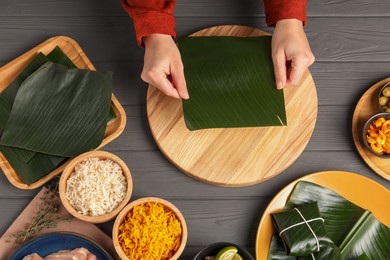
x=307, y=223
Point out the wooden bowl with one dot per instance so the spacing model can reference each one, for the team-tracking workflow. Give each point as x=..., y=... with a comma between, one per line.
x=69, y=169
x=120, y=218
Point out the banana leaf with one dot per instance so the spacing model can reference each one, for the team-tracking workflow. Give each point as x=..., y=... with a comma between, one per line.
x=59, y=57
x=277, y=252
x=31, y=165
x=65, y=126
x=363, y=257
x=11, y=91
x=354, y=230
x=231, y=83
x=368, y=237
x=5, y=109
x=39, y=165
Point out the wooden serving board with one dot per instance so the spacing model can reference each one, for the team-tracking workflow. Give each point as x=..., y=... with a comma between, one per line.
x=367, y=106
x=233, y=156
x=11, y=70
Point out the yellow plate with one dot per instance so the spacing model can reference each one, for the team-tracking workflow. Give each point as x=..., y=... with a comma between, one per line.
x=358, y=189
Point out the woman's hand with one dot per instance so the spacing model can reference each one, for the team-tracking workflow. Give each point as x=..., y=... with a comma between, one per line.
x=163, y=67
x=291, y=52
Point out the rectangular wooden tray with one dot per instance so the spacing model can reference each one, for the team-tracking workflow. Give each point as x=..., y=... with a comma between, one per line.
x=10, y=71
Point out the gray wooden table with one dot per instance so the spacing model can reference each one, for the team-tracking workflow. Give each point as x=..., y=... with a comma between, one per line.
x=352, y=47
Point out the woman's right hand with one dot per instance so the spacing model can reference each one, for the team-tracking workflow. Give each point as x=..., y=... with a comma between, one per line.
x=163, y=67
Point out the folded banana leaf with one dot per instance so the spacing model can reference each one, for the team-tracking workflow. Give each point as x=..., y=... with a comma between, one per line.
x=353, y=230
x=302, y=230
x=231, y=83
x=277, y=252
x=67, y=111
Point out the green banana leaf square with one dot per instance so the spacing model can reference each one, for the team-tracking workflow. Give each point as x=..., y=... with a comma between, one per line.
x=231, y=83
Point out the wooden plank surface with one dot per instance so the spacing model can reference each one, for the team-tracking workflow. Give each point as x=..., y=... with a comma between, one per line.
x=352, y=49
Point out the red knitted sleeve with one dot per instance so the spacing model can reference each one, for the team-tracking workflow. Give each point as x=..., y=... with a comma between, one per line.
x=276, y=10
x=151, y=16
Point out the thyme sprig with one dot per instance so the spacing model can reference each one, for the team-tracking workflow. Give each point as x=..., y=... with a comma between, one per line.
x=45, y=217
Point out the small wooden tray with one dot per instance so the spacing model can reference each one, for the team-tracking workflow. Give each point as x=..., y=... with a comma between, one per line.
x=234, y=156
x=10, y=71
x=367, y=106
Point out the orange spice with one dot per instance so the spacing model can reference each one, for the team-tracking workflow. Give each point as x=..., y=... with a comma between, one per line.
x=378, y=136
x=150, y=231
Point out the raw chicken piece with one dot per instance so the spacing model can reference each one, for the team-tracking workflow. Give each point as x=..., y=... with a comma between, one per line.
x=75, y=254
x=34, y=256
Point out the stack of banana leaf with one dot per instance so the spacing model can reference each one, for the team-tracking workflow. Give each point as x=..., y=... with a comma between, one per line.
x=52, y=111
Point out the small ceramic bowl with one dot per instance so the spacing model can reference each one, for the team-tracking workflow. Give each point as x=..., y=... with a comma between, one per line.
x=213, y=249
x=122, y=215
x=381, y=94
x=69, y=169
x=366, y=127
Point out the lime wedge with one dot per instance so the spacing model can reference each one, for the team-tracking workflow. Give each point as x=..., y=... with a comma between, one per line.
x=237, y=257
x=227, y=253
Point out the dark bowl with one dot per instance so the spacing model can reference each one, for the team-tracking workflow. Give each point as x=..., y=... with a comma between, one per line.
x=213, y=249
x=365, y=128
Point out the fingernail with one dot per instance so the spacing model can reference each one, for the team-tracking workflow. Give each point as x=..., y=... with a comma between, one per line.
x=279, y=85
x=185, y=95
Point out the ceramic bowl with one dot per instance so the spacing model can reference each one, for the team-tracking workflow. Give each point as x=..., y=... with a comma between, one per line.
x=213, y=249
x=366, y=127
x=69, y=169
x=122, y=215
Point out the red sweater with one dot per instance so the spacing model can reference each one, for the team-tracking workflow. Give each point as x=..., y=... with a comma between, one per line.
x=156, y=16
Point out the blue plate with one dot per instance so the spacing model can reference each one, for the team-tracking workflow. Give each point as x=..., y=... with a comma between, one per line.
x=54, y=242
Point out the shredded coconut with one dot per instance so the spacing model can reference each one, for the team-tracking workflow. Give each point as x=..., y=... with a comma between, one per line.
x=96, y=187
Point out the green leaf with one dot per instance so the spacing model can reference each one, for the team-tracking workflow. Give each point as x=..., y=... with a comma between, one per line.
x=39, y=166
x=231, y=83
x=11, y=91
x=369, y=237
x=5, y=109
x=364, y=256
x=66, y=114
x=59, y=57
x=277, y=252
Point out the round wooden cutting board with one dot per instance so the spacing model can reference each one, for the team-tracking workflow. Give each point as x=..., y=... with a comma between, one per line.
x=367, y=106
x=234, y=156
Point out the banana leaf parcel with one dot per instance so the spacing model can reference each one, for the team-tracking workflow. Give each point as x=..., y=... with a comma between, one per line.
x=231, y=83
x=356, y=232
x=302, y=230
